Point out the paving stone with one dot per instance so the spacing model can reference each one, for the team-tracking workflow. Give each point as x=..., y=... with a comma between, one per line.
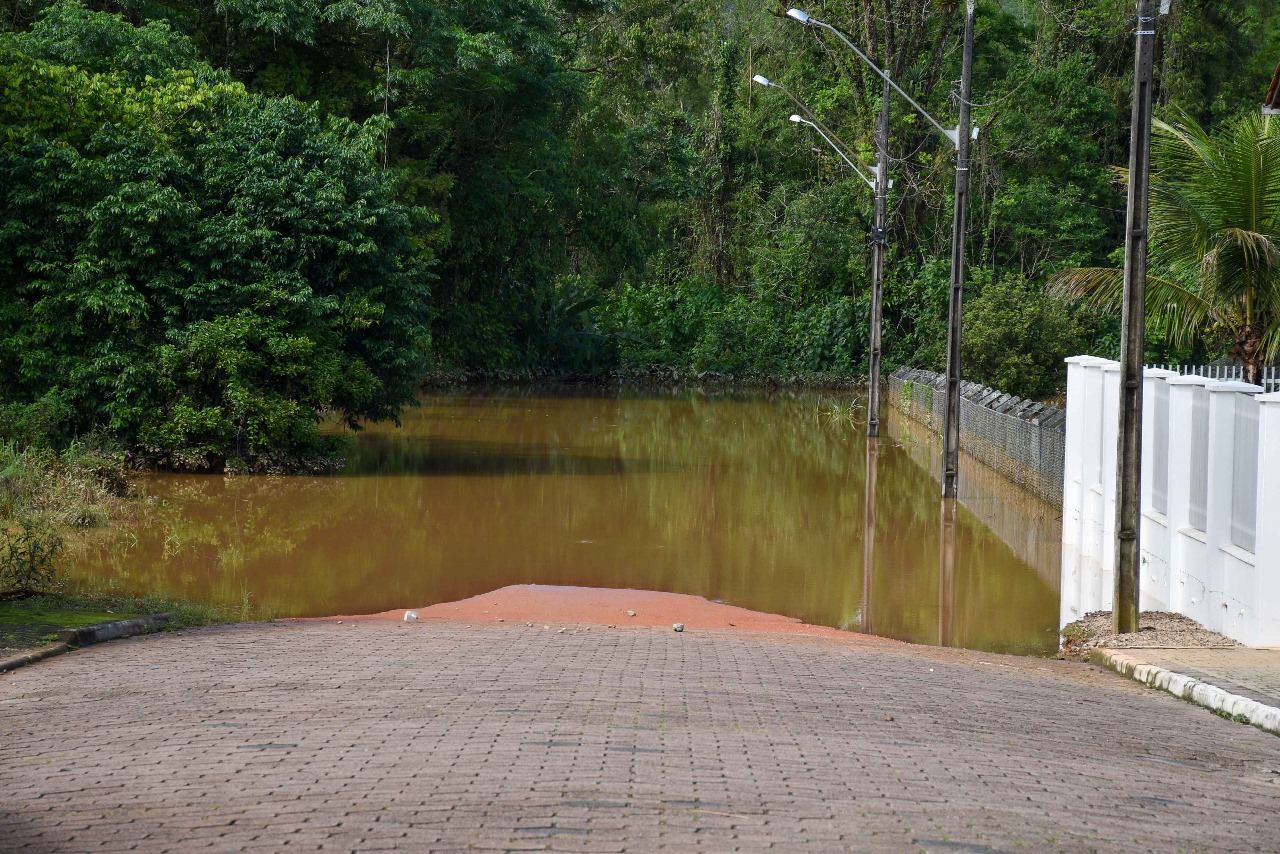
x=316, y=736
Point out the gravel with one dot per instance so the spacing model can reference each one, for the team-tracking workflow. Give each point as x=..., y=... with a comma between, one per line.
x=1157, y=630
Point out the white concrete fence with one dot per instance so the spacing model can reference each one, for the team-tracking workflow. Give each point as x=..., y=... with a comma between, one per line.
x=1210, y=499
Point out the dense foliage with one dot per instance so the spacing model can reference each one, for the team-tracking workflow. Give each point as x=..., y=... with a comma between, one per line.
x=194, y=267
x=224, y=218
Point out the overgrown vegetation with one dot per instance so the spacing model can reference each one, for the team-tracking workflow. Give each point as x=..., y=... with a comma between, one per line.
x=46, y=495
x=223, y=223
x=198, y=270
x=32, y=621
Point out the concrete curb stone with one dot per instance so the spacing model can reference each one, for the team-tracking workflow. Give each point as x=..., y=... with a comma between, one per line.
x=1188, y=688
x=25, y=658
x=86, y=635
x=115, y=629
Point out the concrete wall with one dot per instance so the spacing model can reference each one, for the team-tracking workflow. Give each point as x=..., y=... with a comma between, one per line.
x=1210, y=482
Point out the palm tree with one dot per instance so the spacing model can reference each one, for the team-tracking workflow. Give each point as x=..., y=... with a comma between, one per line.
x=1214, y=262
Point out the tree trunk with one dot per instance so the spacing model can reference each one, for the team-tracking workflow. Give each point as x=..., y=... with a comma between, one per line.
x=386, y=111
x=1248, y=351
x=1252, y=371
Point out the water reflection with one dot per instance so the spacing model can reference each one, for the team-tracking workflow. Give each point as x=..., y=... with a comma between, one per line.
x=869, y=531
x=769, y=503
x=947, y=570
x=391, y=455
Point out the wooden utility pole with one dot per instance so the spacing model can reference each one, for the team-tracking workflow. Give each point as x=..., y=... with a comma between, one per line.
x=879, y=242
x=951, y=420
x=1133, y=332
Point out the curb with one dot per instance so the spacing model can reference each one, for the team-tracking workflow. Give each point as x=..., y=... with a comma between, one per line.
x=32, y=657
x=1188, y=688
x=86, y=635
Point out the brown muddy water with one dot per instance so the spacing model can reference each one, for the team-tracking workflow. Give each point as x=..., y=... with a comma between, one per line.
x=757, y=501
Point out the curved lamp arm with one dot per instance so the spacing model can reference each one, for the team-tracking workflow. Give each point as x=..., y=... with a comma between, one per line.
x=807, y=20
x=869, y=182
x=814, y=122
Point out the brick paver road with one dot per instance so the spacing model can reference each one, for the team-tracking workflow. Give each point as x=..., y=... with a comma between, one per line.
x=504, y=737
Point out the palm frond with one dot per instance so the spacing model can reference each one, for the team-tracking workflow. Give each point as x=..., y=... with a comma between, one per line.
x=1239, y=259
x=1096, y=287
x=1172, y=308
x=1177, y=223
x=1269, y=351
x=1182, y=145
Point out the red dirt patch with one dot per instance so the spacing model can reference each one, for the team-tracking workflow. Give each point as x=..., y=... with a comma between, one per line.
x=555, y=606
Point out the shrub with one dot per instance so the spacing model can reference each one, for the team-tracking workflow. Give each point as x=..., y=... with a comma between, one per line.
x=27, y=553
x=195, y=269
x=1016, y=337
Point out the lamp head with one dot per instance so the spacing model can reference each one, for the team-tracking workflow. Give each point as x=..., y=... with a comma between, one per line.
x=797, y=15
x=762, y=80
x=797, y=119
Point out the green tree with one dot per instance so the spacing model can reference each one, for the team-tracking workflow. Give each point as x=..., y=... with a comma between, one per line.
x=205, y=273
x=1016, y=337
x=1215, y=240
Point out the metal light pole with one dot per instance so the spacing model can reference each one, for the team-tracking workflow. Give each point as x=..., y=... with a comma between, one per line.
x=838, y=150
x=951, y=419
x=809, y=21
x=1133, y=331
x=946, y=572
x=881, y=186
x=960, y=136
x=879, y=239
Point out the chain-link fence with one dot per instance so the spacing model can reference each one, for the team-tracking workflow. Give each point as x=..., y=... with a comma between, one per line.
x=1021, y=439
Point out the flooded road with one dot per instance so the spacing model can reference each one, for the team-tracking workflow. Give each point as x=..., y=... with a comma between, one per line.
x=760, y=502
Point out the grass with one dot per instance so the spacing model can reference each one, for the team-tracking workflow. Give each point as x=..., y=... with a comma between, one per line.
x=1225, y=715
x=32, y=621
x=1076, y=641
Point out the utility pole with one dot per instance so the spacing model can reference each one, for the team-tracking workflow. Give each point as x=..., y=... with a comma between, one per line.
x=1133, y=331
x=879, y=239
x=951, y=420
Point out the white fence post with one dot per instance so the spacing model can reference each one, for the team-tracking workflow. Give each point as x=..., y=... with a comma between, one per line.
x=1187, y=542
x=1267, y=548
x=1081, y=426
x=1154, y=589
x=1092, y=496
x=1210, y=497
x=1110, y=447
x=1224, y=403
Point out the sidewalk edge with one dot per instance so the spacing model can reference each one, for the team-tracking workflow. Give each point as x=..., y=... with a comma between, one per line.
x=1189, y=688
x=74, y=638
x=24, y=658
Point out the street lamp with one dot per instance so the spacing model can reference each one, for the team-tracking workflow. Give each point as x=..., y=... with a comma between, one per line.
x=826, y=132
x=875, y=170
x=960, y=137
x=953, y=134
x=879, y=236
x=814, y=122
